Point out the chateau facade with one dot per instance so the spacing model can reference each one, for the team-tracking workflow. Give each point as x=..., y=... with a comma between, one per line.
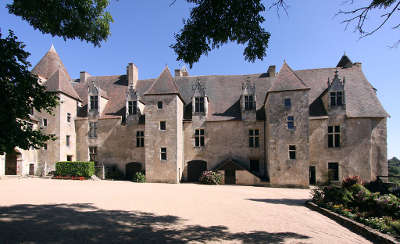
x=292, y=127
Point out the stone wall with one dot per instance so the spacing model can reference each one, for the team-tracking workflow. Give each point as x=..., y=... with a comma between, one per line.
x=244, y=177
x=67, y=105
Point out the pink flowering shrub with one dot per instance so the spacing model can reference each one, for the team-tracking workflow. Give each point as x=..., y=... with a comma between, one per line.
x=352, y=180
x=211, y=178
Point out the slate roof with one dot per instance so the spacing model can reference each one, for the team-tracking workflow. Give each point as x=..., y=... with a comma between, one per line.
x=164, y=84
x=49, y=64
x=287, y=80
x=60, y=82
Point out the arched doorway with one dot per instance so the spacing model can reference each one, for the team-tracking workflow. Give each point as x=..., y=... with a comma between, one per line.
x=131, y=169
x=194, y=170
x=11, y=163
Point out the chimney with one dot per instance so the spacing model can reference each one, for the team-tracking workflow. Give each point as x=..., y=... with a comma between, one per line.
x=357, y=64
x=271, y=71
x=132, y=74
x=178, y=73
x=181, y=72
x=83, y=76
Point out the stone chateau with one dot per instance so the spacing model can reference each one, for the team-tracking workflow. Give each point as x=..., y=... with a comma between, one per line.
x=292, y=127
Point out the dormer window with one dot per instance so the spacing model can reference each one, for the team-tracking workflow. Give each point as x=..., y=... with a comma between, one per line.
x=249, y=102
x=94, y=102
x=336, y=98
x=199, y=105
x=132, y=107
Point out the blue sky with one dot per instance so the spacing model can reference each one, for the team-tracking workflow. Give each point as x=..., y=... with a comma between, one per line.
x=309, y=37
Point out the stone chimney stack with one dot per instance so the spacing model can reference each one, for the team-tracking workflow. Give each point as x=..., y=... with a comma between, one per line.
x=271, y=71
x=132, y=74
x=181, y=72
x=178, y=73
x=358, y=64
x=83, y=76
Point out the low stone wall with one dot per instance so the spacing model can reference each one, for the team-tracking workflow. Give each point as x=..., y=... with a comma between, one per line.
x=244, y=177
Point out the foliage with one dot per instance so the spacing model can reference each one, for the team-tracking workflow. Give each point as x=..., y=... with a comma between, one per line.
x=377, y=186
x=20, y=92
x=139, y=177
x=114, y=173
x=214, y=23
x=83, y=19
x=394, y=170
x=210, y=178
x=351, y=180
x=68, y=168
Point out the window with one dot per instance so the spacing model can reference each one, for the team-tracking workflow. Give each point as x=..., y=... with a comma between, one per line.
x=45, y=147
x=336, y=98
x=199, y=138
x=92, y=129
x=254, y=165
x=333, y=171
x=288, y=103
x=159, y=105
x=163, y=125
x=254, y=138
x=68, y=140
x=139, y=138
x=132, y=107
x=68, y=117
x=199, y=104
x=92, y=153
x=249, y=102
x=290, y=122
x=69, y=157
x=334, y=136
x=44, y=122
x=292, y=151
x=163, y=153
x=94, y=102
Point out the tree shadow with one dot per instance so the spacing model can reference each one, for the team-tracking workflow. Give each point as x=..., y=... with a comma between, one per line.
x=84, y=223
x=285, y=201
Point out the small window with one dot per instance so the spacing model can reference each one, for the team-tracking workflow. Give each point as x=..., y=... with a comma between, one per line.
x=92, y=129
x=67, y=138
x=199, y=104
x=333, y=171
x=69, y=157
x=163, y=125
x=132, y=107
x=92, y=153
x=292, y=151
x=159, y=105
x=334, y=136
x=254, y=165
x=199, y=138
x=163, y=152
x=290, y=122
x=45, y=147
x=288, y=103
x=44, y=122
x=254, y=138
x=336, y=98
x=68, y=117
x=94, y=102
x=139, y=138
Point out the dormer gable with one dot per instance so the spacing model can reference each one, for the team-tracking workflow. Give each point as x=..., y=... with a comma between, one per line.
x=335, y=91
x=97, y=100
x=248, y=100
x=134, y=107
x=199, y=99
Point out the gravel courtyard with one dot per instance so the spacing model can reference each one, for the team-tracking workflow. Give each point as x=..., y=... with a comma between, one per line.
x=34, y=210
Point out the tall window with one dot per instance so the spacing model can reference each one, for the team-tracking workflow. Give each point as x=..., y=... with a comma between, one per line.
x=132, y=107
x=44, y=122
x=249, y=102
x=290, y=122
x=92, y=129
x=163, y=153
x=139, y=138
x=199, y=105
x=163, y=125
x=92, y=153
x=254, y=165
x=254, y=138
x=67, y=140
x=292, y=151
x=334, y=136
x=199, y=137
x=94, y=102
x=68, y=117
x=288, y=103
x=333, y=171
x=159, y=105
x=336, y=98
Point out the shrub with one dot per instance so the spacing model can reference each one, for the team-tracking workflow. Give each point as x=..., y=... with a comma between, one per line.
x=337, y=195
x=139, y=177
x=377, y=186
x=211, y=178
x=352, y=180
x=68, y=168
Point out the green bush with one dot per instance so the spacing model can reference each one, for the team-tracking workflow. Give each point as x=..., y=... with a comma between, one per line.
x=139, y=177
x=211, y=178
x=68, y=168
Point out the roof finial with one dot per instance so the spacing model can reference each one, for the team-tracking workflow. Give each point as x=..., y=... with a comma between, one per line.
x=52, y=49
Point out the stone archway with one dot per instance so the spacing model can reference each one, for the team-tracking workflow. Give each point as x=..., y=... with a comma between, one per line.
x=11, y=163
x=131, y=169
x=194, y=170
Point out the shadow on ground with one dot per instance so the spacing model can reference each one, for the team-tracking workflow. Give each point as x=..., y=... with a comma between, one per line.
x=84, y=223
x=289, y=202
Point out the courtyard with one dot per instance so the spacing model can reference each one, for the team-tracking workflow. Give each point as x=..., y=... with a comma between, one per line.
x=35, y=210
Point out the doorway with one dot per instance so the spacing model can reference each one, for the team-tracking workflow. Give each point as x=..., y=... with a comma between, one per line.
x=312, y=175
x=194, y=170
x=11, y=163
x=31, y=169
x=230, y=176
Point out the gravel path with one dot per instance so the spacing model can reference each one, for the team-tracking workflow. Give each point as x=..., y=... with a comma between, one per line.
x=34, y=210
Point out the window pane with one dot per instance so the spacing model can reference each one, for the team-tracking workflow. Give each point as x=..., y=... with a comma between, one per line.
x=201, y=132
x=250, y=132
x=330, y=140
x=251, y=142
x=339, y=99
x=337, y=128
x=292, y=154
x=290, y=125
x=202, y=141
x=142, y=142
x=256, y=142
x=196, y=132
x=160, y=105
x=288, y=102
x=137, y=142
x=330, y=129
x=196, y=141
x=256, y=132
x=333, y=171
x=292, y=147
x=337, y=140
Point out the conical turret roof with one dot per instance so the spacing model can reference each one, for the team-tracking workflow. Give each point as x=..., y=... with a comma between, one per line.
x=49, y=64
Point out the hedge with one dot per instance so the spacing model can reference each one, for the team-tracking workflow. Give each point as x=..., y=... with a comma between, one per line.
x=68, y=168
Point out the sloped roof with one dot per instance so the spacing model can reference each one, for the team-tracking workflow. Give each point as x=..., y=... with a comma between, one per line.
x=49, y=64
x=60, y=82
x=345, y=62
x=287, y=80
x=164, y=84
